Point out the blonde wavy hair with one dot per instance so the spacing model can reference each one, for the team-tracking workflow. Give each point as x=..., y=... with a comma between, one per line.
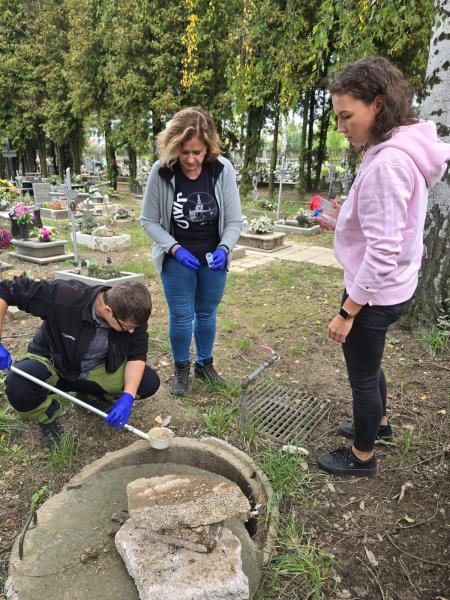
x=186, y=124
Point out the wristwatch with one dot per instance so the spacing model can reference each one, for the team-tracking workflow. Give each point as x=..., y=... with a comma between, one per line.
x=345, y=314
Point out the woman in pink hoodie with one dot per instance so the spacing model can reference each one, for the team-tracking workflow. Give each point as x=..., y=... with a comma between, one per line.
x=378, y=239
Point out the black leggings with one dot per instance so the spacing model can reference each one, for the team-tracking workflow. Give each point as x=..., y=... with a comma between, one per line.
x=363, y=351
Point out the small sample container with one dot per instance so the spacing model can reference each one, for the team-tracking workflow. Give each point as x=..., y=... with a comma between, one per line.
x=160, y=437
x=209, y=259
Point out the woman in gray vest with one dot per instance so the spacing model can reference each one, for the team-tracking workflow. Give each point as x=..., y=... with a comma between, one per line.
x=192, y=212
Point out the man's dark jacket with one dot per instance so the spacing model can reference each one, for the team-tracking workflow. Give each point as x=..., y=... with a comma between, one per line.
x=68, y=327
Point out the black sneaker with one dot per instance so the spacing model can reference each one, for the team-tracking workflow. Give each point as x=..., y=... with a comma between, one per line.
x=51, y=434
x=384, y=433
x=343, y=462
x=208, y=372
x=180, y=381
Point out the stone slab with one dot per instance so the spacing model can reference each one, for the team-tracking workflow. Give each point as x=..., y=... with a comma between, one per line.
x=198, y=539
x=162, y=572
x=127, y=276
x=104, y=244
x=42, y=261
x=296, y=229
x=15, y=313
x=52, y=565
x=267, y=241
x=238, y=252
x=4, y=266
x=171, y=502
x=57, y=214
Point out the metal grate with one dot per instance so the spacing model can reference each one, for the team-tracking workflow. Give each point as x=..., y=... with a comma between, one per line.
x=283, y=413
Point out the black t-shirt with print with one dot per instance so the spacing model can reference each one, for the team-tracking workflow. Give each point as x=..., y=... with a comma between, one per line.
x=195, y=213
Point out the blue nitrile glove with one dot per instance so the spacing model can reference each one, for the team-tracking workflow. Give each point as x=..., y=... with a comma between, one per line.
x=219, y=259
x=5, y=358
x=120, y=412
x=184, y=257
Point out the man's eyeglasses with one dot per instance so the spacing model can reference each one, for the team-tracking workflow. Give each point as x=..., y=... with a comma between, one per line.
x=127, y=328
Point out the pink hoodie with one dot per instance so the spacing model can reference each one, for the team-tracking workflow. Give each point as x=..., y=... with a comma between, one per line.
x=379, y=232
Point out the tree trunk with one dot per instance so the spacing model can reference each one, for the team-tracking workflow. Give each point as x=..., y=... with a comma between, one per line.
x=132, y=164
x=301, y=185
x=29, y=157
x=433, y=293
x=274, y=153
x=53, y=154
x=255, y=120
x=157, y=126
x=309, y=151
x=42, y=154
x=111, y=163
x=76, y=149
x=324, y=121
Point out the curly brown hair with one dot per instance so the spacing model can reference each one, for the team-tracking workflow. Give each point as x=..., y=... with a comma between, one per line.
x=186, y=124
x=373, y=76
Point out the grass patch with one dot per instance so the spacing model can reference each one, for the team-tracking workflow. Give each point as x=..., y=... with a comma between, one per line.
x=409, y=446
x=14, y=455
x=436, y=340
x=228, y=325
x=220, y=419
x=298, y=349
x=244, y=345
x=139, y=239
x=140, y=265
x=284, y=472
x=299, y=568
x=64, y=455
x=9, y=423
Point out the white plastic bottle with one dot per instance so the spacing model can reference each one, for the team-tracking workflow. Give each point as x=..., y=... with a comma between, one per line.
x=209, y=259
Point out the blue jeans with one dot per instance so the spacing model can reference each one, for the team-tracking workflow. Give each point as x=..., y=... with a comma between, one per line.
x=193, y=297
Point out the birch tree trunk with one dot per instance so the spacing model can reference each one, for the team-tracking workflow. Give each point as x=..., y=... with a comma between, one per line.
x=433, y=293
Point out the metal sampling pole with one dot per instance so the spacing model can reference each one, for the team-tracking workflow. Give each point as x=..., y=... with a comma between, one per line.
x=55, y=390
x=247, y=381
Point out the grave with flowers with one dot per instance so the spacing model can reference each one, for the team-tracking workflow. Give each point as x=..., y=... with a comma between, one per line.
x=5, y=242
x=33, y=241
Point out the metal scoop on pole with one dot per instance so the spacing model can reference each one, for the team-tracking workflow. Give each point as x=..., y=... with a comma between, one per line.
x=55, y=390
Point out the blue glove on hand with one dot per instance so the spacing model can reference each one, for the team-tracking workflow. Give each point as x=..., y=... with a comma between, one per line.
x=219, y=260
x=184, y=257
x=120, y=412
x=5, y=358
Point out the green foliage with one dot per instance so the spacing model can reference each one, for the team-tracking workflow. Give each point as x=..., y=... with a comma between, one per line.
x=39, y=497
x=64, y=455
x=220, y=419
x=436, y=339
x=284, y=471
x=297, y=557
x=103, y=271
x=9, y=424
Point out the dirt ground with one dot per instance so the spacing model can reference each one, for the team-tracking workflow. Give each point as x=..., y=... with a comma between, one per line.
x=389, y=535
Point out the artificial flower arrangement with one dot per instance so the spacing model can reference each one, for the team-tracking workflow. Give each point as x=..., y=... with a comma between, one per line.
x=55, y=205
x=44, y=234
x=23, y=214
x=5, y=238
x=122, y=213
x=7, y=185
x=260, y=225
